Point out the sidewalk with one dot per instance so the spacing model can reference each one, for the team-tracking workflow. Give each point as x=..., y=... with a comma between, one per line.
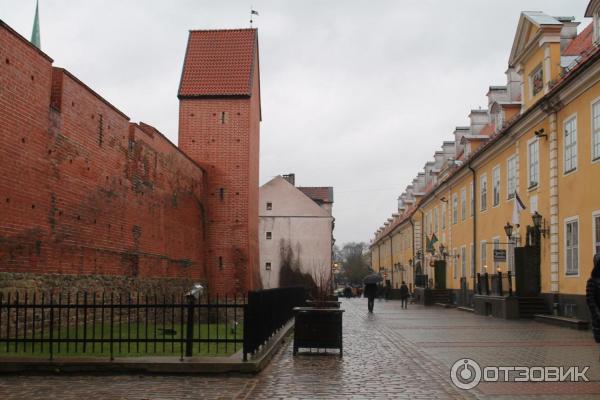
x=393, y=353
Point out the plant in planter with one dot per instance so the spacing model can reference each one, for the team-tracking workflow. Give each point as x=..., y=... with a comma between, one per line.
x=319, y=325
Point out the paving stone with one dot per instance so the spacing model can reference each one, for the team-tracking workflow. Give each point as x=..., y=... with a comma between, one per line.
x=391, y=354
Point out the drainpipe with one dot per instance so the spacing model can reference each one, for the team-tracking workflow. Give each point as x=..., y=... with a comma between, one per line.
x=392, y=258
x=474, y=211
x=413, y=249
x=422, y=239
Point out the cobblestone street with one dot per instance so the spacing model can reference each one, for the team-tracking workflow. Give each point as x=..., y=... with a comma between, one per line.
x=392, y=353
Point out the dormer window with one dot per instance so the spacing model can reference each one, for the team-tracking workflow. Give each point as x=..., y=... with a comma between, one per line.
x=536, y=80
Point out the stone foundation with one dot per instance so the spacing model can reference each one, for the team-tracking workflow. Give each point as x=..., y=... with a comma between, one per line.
x=65, y=283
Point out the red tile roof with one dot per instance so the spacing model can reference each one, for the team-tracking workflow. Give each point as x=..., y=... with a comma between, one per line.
x=322, y=194
x=219, y=63
x=581, y=43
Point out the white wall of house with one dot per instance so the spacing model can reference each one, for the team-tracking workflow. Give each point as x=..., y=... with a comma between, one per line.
x=295, y=222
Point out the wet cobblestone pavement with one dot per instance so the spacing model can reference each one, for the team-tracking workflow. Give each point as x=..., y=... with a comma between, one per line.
x=393, y=353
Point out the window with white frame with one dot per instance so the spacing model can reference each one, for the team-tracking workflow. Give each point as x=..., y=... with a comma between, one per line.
x=454, y=264
x=511, y=177
x=496, y=186
x=444, y=216
x=463, y=203
x=472, y=194
x=472, y=249
x=483, y=256
x=454, y=208
x=483, y=192
x=533, y=167
x=435, y=220
x=597, y=233
x=496, y=245
x=572, y=246
x=463, y=261
x=570, y=145
x=596, y=130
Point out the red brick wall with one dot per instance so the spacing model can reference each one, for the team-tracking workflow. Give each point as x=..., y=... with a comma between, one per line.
x=82, y=190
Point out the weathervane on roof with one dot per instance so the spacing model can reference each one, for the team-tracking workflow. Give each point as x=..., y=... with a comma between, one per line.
x=252, y=12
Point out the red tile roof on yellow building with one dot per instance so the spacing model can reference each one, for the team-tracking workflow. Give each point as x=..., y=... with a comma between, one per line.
x=581, y=43
x=219, y=63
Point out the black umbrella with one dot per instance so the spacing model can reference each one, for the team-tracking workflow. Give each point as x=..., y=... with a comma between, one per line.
x=373, y=278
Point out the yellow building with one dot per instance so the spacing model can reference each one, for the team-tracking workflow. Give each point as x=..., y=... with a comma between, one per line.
x=538, y=141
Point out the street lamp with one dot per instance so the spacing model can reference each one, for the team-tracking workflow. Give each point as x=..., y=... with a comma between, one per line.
x=508, y=229
x=538, y=220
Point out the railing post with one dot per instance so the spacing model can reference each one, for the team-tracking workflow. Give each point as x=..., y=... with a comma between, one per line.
x=487, y=283
x=51, y=327
x=499, y=283
x=189, y=339
x=246, y=344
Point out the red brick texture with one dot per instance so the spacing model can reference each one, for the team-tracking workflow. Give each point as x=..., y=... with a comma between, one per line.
x=222, y=133
x=83, y=190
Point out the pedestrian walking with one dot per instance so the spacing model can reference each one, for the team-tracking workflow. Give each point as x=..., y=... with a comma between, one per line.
x=371, y=292
x=404, y=295
x=592, y=294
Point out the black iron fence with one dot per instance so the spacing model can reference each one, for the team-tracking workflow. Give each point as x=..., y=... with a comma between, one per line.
x=100, y=324
x=119, y=325
x=267, y=312
x=498, y=284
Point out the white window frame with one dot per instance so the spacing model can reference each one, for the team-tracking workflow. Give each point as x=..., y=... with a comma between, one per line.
x=472, y=258
x=444, y=216
x=463, y=204
x=530, y=183
x=571, y=150
x=483, y=192
x=454, y=264
x=511, y=178
x=482, y=252
x=463, y=261
x=568, y=221
x=472, y=193
x=595, y=131
x=436, y=224
x=455, y=208
x=595, y=227
x=496, y=186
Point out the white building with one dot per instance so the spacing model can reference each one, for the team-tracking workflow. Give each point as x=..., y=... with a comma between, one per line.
x=295, y=232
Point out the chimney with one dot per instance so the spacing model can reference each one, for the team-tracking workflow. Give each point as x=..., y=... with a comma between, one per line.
x=513, y=84
x=291, y=178
x=568, y=31
x=479, y=119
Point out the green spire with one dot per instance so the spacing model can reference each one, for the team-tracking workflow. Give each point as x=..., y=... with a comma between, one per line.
x=35, y=34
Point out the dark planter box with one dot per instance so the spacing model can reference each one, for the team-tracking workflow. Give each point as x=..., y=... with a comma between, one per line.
x=318, y=328
x=323, y=304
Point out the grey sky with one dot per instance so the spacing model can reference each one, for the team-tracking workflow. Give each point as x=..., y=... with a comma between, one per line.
x=355, y=94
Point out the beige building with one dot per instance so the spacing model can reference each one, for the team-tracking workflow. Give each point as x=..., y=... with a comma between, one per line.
x=295, y=232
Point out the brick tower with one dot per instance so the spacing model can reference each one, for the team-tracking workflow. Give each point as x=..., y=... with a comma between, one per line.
x=219, y=127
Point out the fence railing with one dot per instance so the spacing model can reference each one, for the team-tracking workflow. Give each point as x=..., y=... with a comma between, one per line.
x=498, y=284
x=266, y=312
x=119, y=325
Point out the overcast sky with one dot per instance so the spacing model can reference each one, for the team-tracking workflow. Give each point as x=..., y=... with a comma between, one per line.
x=357, y=95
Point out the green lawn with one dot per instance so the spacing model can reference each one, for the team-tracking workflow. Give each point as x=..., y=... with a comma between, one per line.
x=162, y=346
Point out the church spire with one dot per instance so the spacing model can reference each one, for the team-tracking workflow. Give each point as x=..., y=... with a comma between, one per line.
x=35, y=34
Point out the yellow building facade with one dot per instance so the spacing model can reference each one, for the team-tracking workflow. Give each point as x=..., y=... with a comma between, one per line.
x=538, y=141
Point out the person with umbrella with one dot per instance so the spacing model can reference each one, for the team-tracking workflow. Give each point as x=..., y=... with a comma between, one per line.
x=371, y=282
x=593, y=297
